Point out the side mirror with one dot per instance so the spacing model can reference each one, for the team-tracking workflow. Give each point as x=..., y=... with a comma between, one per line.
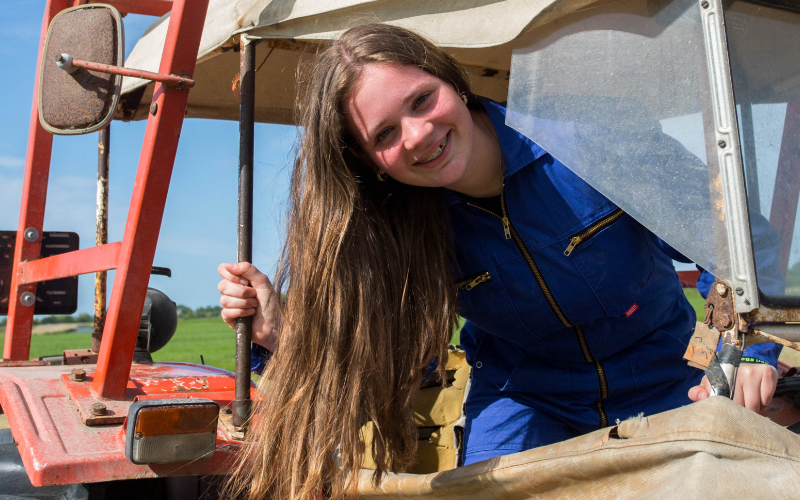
x=76, y=100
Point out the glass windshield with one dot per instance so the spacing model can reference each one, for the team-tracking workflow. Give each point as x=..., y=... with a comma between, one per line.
x=764, y=47
x=619, y=94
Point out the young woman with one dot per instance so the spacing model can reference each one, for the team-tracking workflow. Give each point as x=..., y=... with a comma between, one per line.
x=408, y=193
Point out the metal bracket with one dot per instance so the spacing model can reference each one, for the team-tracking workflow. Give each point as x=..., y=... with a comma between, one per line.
x=743, y=271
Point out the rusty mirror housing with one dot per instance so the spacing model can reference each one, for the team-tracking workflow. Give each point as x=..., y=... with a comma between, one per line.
x=76, y=100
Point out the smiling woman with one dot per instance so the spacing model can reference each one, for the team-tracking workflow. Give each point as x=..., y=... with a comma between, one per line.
x=574, y=313
x=415, y=128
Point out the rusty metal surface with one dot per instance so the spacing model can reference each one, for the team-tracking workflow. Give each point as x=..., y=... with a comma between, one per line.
x=83, y=99
x=101, y=234
x=57, y=448
x=719, y=307
x=702, y=346
x=173, y=81
x=247, y=73
x=766, y=314
x=157, y=384
x=79, y=357
x=19, y=363
x=766, y=337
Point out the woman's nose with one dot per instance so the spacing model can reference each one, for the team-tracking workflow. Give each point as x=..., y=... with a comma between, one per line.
x=416, y=133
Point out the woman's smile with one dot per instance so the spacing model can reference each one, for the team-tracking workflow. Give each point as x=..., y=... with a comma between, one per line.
x=429, y=162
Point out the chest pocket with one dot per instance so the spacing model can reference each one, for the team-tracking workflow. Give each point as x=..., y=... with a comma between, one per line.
x=613, y=255
x=484, y=301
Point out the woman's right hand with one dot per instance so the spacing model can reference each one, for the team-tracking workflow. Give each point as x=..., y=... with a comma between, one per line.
x=246, y=291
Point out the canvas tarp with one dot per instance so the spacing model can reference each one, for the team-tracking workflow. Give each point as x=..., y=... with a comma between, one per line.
x=710, y=449
x=477, y=32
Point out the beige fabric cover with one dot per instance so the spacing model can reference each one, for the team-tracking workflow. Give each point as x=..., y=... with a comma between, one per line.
x=714, y=449
x=478, y=32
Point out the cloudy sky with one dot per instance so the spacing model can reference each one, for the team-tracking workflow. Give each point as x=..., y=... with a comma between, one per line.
x=199, y=226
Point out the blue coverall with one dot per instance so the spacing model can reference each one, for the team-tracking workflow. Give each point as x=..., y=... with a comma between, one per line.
x=564, y=338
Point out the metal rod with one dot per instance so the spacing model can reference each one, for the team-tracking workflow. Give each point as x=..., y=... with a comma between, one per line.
x=247, y=63
x=101, y=236
x=68, y=64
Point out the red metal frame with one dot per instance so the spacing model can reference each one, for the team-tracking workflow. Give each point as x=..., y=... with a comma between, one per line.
x=148, y=200
x=88, y=260
x=133, y=256
x=34, y=192
x=145, y=7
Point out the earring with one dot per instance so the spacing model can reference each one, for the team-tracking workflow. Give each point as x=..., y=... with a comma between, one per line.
x=381, y=176
x=464, y=97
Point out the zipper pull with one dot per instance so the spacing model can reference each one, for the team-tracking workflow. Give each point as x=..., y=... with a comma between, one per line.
x=477, y=281
x=573, y=242
x=507, y=227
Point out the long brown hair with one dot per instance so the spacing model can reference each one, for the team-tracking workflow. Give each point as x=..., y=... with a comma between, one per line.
x=370, y=299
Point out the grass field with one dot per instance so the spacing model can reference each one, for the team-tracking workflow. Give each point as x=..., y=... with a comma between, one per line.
x=211, y=338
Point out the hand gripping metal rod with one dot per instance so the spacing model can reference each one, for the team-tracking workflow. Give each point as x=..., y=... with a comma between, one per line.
x=247, y=59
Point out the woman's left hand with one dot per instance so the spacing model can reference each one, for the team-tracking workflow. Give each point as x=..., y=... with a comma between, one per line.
x=755, y=385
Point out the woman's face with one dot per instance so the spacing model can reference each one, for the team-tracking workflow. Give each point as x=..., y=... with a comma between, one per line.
x=412, y=125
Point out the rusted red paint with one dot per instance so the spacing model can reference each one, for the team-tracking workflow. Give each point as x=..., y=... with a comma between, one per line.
x=689, y=278
x=156, y=385
x=12, y=364
x=88, y=260
x=56, y=446
x=147, y=202
x=175, y=81
x=783, y=411
x=79, y=357
x=765, y=315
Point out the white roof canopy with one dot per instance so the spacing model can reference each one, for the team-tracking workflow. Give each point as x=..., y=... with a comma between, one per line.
x=477, y=32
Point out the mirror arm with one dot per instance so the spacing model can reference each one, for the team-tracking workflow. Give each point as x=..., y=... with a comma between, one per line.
x=71, y=65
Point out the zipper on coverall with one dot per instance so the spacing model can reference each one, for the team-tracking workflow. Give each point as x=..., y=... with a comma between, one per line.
x=511, y=233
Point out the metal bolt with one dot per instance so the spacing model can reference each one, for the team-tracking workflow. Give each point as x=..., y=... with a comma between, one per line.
x=739, y=291
x=722, y=143
x=138, y=435
x=153, y=108
x=704, y=4
x=31, y=234
x=722, y=290
x=27, y=299
x=227, y=410
x=99, y=409
x=77, y=375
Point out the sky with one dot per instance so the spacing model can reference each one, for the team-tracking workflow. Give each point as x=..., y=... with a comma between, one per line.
x=199, y=225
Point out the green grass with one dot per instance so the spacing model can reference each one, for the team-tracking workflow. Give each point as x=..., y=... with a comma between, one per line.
x=212, y=338
x=697, y=301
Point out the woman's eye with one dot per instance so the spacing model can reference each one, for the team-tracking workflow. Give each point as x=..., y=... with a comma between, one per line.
x=383, y=135
x=421, y=99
